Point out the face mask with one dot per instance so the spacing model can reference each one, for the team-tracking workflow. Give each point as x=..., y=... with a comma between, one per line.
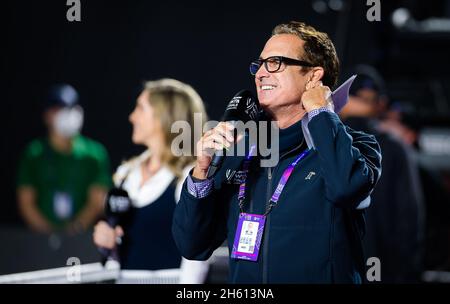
x=68, y=121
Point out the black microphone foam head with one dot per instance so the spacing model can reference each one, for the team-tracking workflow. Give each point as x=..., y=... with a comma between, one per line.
x=243, y=106
x=117, y=202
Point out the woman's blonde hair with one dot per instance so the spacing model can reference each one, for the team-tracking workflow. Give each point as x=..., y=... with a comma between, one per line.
x=172, y=101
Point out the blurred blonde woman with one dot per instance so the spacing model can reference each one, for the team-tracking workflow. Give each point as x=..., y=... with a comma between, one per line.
x=153, y=181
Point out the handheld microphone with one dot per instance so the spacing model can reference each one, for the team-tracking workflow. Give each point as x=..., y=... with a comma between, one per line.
x=117, y=207
x=242, y=107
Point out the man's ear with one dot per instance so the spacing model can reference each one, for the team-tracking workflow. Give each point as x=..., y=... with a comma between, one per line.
x=316, y=74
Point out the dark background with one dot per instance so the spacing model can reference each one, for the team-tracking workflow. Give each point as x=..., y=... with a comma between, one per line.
x=119, y=44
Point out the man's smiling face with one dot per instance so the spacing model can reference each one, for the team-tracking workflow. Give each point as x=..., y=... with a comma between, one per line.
x=286, y=86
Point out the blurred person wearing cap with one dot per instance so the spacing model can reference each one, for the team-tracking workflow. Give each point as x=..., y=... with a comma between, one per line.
x=63, y=177
x=395, y=218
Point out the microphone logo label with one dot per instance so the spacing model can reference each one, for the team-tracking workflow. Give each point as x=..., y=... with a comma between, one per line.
x=233, y=105
x=119, y=204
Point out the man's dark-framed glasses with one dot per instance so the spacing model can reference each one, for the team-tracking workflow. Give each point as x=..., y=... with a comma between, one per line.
x=274, y=63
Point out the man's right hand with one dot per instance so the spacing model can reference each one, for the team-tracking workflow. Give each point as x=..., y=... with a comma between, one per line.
x=105, y=236
x=214, y=140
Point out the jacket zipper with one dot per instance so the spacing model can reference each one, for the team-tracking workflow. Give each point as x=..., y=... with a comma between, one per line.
x=266, y=240
x=267, y=226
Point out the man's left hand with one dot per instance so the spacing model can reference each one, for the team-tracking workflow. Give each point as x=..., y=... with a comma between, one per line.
x=315, y=96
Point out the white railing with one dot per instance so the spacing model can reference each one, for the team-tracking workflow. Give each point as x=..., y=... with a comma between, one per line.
x=93, y=273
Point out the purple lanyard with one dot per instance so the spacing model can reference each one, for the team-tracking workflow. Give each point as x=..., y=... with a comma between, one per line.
x=283, y=181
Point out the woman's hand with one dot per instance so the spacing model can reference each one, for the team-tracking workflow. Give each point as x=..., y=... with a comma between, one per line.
x=105, y=236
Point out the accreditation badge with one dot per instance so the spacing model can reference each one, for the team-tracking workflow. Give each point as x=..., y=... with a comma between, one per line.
x=62, y=205
x=249, y=232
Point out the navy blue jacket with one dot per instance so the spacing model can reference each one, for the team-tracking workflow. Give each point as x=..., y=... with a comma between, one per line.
x=308, y=236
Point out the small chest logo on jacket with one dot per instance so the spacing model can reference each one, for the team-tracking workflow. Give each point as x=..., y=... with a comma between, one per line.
x=310, y=175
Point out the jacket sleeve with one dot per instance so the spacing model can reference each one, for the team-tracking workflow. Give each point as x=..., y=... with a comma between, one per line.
x=350, y=161
x=199, y=224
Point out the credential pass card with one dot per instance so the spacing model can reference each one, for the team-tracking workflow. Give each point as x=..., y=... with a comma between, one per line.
x=249, y=232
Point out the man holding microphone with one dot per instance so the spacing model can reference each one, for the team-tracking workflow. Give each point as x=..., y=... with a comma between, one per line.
x=307, y=209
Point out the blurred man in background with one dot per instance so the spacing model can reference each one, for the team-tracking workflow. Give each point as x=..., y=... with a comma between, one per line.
x=395, y=226
x=402, y=122
x=62, y=178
